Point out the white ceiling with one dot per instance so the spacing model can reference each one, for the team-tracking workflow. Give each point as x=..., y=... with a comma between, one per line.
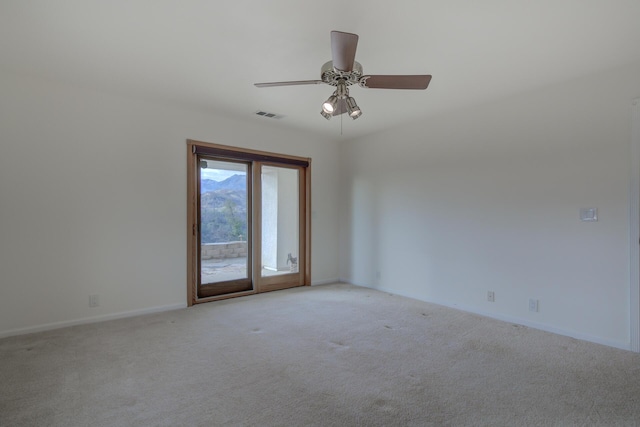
x=209, y=53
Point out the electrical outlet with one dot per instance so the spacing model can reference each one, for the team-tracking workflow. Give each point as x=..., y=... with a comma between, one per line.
x=533, y=305
x=93, y=300
x=491, y=296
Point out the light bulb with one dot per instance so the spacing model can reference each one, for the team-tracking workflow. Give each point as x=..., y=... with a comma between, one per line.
x=353, y=109
x=330, y=104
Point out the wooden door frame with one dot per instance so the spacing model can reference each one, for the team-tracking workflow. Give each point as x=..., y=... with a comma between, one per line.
x=192, y=214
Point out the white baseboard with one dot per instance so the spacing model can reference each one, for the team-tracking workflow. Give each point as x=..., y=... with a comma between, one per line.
x=510, y=319
x=86, y=320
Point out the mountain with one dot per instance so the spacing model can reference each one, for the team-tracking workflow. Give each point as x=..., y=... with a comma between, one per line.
x=223, y=209
x=207, y=185
x=234, y=182
x=221, y=199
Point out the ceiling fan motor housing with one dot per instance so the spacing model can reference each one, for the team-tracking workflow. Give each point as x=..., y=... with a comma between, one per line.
x=332, y=76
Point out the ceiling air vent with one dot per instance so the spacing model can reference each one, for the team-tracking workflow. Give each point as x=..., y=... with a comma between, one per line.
x=269, y=115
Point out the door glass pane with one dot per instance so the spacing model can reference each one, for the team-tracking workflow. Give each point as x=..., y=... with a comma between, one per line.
x=224, y=247
x=280, y=223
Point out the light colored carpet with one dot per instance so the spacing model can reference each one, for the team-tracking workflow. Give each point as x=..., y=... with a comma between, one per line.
x=332, y=355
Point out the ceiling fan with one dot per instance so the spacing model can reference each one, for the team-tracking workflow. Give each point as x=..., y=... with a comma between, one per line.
x=343, y=71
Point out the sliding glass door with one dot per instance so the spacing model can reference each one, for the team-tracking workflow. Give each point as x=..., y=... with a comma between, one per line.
x=249, y=228
x=224, y=215
x=280, y=226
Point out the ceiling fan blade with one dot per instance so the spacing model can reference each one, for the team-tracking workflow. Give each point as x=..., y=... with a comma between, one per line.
x=341, y=108
x=343, y=50
x=294, y=83
x=395, y=82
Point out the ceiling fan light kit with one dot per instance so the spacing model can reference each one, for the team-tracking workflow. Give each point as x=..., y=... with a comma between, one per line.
x=340, y=96
x=343, y=71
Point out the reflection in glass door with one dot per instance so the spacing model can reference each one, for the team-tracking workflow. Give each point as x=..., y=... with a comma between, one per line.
x=224, y=236
x=280, y=220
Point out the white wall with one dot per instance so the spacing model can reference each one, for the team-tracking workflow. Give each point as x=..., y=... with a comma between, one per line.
x=89, y=182
x=488, y=198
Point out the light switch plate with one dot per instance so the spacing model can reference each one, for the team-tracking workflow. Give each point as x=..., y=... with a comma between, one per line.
x=588, y=214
